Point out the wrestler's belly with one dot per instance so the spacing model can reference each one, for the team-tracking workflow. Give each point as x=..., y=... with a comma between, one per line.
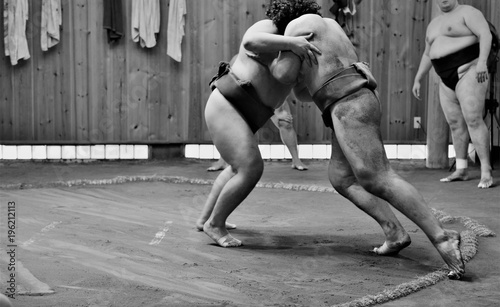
x=445, y=45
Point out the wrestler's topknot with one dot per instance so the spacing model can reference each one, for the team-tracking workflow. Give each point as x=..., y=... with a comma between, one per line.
x=281, y=12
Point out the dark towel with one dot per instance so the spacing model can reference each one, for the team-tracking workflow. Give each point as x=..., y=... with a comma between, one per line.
x=113, y=19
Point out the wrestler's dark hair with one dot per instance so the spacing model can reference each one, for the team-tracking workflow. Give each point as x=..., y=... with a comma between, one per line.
x=281, y=12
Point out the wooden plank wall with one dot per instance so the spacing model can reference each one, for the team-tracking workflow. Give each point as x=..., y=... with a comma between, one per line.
x=391, y=38
x=85, y=90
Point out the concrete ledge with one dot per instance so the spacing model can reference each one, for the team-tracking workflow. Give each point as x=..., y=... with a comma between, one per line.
x=310, y=151
x=85, y=152
x=193, y=151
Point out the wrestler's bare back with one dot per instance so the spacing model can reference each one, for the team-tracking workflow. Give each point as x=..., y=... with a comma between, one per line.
x=328, y=36
x=449, y=33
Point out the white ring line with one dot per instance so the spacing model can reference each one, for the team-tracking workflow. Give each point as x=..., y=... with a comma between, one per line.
x=38, y=235
x=160, y=234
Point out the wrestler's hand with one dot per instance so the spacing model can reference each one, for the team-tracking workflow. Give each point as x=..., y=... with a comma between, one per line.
x=416, y=89
x=481, y=72
x=301, y=46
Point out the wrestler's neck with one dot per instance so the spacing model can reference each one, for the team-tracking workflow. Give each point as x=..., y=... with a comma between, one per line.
x=449, y=10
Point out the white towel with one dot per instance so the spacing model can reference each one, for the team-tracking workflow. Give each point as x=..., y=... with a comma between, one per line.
x=175, y=31
x=145, y=22
x=15, y=18
x=51, y=20
x=347, y=9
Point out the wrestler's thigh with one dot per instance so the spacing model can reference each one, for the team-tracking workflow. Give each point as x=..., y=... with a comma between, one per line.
x=282, y=114
x=356, y=124
x=471, y=94
x=449, y=103
x=230, y=132
x=339, y=170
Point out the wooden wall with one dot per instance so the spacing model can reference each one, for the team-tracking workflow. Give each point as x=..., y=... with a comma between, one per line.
x=85, y=90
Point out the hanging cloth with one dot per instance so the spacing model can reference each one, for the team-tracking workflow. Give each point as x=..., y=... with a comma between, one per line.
x=145, y=22
x=344, y=10
x=15, y=18
x=51, y=21
x=175, y=31
x=345, y=6
x=113, y=19
x=350, y=8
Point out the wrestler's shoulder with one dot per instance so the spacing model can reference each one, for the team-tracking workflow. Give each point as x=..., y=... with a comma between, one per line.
x=309, y=21
x=264, y=25
x=467, y=8
x=470, y=11
x=469, y=15
x=309, y=18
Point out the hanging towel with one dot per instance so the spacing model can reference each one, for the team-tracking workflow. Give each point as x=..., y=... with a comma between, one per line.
x=51, y=21
x=113, y=19
x=15, y=18
x=175, y=31
x=145, y=22
x=6, y=26
x=350, y=8
x=345, y=6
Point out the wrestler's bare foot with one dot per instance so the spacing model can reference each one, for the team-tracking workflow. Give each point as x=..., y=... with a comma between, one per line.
x=221, y=236
x=393, y=248
x=217, y=166
x=448, y=247
x=200, y=223
x=458, y=175
x=299, y=166
x=486, y=179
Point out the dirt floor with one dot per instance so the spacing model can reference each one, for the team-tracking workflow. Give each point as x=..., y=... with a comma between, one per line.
x=134, y=243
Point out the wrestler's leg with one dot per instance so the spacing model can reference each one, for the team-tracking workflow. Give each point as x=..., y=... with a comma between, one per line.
x=343, y=180
x=472, y=95
x=219, y=183
x=283, y=120
x=459, y=132
x=238, y=147
x=357, y=127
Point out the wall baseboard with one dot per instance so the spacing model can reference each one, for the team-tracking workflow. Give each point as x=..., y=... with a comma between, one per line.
x=192, y=151
x=318, y=151
x=74, y=152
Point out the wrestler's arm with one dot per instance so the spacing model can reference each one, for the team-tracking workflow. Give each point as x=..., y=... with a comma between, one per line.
x=476, y=22
x=263, y=37
x=424, y=67
x=287, y=66
x=425, y=63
